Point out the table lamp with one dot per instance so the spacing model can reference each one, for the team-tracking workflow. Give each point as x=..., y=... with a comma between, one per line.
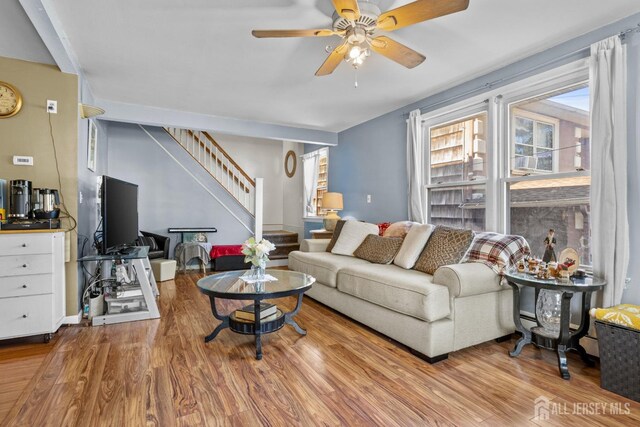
x=332, y=202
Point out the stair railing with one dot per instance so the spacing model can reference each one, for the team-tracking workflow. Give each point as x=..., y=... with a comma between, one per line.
x=218, y=163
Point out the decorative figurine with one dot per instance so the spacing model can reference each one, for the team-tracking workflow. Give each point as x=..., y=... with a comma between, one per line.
x=549, y=244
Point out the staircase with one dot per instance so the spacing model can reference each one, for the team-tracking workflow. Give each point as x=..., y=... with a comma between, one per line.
x=206, y=151
x=285, y=242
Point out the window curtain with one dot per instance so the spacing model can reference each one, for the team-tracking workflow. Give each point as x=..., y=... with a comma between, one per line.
x=610, y=229
x=310, y=172
x=414, y=167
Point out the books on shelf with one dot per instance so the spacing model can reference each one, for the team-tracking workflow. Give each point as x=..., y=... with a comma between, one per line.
x=248, y=312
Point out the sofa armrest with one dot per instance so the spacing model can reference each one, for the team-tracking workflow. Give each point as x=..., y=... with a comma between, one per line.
x=314, y=245
x=467, y=279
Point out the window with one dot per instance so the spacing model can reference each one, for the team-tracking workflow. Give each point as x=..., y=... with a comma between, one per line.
x=519, y=163
x=549, y=133
x=534, y=139
x=315, y=169
x=457, y=170
x=549, y=187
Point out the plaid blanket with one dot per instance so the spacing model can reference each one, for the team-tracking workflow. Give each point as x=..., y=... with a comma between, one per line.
x=498, y=251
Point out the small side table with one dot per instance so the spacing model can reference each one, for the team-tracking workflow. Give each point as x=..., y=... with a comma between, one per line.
x=567, y=339
x=321, y=234
x=185, y=252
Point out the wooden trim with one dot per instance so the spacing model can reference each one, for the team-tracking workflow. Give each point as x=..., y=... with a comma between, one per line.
x=213, y=141
x=221, y=163
x=217, y=160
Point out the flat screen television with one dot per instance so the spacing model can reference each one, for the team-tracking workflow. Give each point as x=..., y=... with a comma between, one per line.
x=119, y=206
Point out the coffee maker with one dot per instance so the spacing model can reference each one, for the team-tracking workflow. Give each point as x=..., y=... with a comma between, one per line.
x=44, y=202
x=19, y=199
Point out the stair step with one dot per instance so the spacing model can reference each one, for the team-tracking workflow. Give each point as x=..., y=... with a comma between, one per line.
x=280, y=236
x=282, y=250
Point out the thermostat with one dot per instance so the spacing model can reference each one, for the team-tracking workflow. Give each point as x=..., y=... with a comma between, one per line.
x=23, y=160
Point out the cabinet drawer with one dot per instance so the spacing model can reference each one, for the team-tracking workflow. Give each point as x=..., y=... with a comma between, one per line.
x=17, y=286
x=30, y=315
x=20, y=244
x=25, y=264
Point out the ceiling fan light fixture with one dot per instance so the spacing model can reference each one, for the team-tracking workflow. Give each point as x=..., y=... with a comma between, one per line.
x=355, y=52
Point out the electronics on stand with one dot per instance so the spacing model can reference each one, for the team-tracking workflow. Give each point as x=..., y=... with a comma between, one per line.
x=119, y=209
x=30, y=209
x=19, y=199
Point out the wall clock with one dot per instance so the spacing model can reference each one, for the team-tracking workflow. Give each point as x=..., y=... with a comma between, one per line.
x=10, y=100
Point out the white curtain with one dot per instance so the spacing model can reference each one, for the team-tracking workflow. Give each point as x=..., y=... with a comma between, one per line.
x=414, y=167
x=310, y=173
x=609, y=224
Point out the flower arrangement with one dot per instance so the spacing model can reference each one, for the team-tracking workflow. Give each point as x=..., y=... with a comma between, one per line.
x=257, y=253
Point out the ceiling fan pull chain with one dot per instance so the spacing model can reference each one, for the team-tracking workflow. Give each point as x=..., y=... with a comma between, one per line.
x=356, y=82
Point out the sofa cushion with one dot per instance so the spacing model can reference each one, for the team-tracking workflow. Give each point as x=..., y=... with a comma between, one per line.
x=321, y=265
x=336, y=234
x=379, y=250
x=406, y=291
x=446, y=246
x=352, y=235
x=413, y=244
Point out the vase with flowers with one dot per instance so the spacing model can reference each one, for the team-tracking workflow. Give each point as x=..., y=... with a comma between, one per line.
x=257, y=253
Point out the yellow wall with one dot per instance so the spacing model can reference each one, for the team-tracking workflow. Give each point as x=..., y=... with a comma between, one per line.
x=28, y=134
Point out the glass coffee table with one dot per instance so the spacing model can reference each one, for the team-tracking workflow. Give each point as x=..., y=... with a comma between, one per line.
x=238, y=285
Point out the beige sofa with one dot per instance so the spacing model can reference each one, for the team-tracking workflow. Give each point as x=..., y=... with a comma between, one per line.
x=459, y=306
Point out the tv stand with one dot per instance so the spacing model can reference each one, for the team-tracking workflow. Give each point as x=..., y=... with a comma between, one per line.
x=138, y=260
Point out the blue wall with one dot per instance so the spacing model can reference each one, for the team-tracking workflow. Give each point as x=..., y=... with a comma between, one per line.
x=168, y=196
x=370, y=157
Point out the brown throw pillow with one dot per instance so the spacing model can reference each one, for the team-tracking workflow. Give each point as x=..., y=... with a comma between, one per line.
x=336, y=234
x=445, y=246
x=379, y=250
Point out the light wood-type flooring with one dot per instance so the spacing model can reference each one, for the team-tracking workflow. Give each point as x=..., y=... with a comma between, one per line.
x=342, y=373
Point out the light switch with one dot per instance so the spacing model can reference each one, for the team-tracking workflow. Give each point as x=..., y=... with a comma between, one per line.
x=368, y=198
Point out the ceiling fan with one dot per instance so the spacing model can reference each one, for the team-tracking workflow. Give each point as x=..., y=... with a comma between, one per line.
x=357, y=23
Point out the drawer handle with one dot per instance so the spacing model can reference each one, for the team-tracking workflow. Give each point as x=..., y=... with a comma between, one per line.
x=24, y=265
x=24, y=316
x=24, y=286
x=24, y=245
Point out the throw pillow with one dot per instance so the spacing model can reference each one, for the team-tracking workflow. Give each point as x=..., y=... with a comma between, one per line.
x=336, y=234
x=382, y=227
x=398, y=229
x=352, y=235
x=445, y=246
x=148, y=241
x=377, y=249
x=413, y=244
x=498, y=251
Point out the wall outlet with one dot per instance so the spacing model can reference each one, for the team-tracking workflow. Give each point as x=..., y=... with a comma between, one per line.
x=52, y=107
x=368, y=198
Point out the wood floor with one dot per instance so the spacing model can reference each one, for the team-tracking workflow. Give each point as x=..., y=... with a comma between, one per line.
x=342, y=373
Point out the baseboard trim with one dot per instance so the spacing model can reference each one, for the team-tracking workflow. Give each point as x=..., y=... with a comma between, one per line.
x=74, y=319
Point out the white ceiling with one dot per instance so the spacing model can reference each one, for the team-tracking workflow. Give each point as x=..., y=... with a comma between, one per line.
x=199, y=55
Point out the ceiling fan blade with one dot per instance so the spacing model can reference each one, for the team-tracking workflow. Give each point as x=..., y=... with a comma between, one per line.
x=332, y=62
x=348, y=9
x=397, y=52
x=418, y=11
x=295, y=33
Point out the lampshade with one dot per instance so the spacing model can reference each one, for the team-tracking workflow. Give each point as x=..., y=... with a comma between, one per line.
x=332, y=201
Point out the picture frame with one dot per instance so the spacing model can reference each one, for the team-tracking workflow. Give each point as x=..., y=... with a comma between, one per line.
x=92, y=146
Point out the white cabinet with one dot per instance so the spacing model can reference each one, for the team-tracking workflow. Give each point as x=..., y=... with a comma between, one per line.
x=32, y=283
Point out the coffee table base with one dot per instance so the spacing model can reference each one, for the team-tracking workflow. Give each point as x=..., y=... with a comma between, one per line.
x=257, y=328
